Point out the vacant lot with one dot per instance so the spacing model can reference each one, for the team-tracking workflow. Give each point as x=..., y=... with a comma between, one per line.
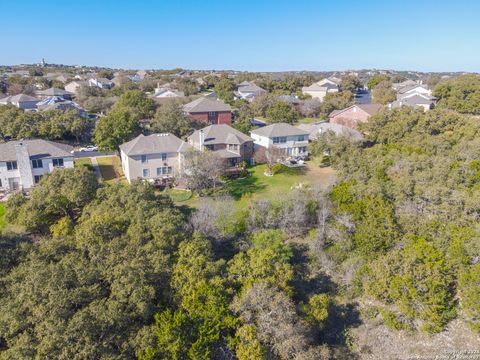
x=110, y=168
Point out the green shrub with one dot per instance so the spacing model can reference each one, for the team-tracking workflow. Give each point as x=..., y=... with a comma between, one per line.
x=391, y=320
x=317, y=308
x=278, y=169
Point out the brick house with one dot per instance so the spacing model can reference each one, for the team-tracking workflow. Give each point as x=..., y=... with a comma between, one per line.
x=210, y=111
x=353, y=115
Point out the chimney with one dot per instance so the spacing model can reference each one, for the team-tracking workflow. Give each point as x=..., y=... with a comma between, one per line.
x=202, y=139
x=23, y=164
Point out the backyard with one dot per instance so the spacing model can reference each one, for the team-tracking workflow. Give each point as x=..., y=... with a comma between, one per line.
x=110, y=168
x=271, y=187
x=259, y=186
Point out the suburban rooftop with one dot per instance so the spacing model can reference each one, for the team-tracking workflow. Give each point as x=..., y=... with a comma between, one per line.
x=153, y=144
x=279, y=129
x=205, y=104
x=37, y=149
x=220, y=134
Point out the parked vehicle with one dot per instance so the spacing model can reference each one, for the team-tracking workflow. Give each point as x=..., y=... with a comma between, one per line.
x=88, y=148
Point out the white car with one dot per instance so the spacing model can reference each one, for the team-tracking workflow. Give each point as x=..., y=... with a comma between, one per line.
x=88, y=148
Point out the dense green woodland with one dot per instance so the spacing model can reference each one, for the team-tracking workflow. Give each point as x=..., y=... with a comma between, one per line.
x=115, y=271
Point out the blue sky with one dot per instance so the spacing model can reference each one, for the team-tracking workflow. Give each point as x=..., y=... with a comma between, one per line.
x=261, y=35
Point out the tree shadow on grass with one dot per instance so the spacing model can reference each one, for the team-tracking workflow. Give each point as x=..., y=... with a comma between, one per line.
x=239, y=187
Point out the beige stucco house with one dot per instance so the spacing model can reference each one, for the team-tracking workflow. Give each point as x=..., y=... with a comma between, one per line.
x=151, y=157
x=321, y=88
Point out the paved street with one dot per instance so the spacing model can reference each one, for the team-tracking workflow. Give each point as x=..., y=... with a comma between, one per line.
x=92, y=154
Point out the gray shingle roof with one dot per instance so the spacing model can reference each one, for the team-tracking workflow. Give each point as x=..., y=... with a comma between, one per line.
x=205, y=104
x=220, y=134
x=249, y=87
x=414, y=100
x=154, y=144
x=18, y=98
x=54, y=92
x=280, y=129
x=407, y=95
x=316, y=129
x=407, y=88
x=402, y=84
x=104, y=80
x=37, y=148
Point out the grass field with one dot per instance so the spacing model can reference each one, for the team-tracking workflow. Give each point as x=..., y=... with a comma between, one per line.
x=110, y=168
x=2, y=216
x=274, y=187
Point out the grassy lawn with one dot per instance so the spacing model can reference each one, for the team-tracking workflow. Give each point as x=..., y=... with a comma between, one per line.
x=274, y=187
x=110, y=168
x=308, y=120
x=179, y=196
x=2, y=216
x=83, y=162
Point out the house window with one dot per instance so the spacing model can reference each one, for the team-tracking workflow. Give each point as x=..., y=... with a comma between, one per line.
x=146, y=173
x=144, y=159
x=212, y=117
x=164, y=170
x=233, y=147
x=302, y=149
x=37, y=178
x=210, y=147
x=37, y=164
x=57, y=162
x=164, y=157
x=12, y=165
x=301, y=138
x=280, y=140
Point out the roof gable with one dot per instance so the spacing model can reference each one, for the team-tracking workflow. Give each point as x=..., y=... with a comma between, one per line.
x=204, y=104
x=37, y=148
x=154, y=144
x=279, y=129
x=220, y=134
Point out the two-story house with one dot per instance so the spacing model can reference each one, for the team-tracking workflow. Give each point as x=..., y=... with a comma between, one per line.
x=209, y=111
x=321, y=88
x=155, y=156
x=102, y=83
x=22, y=101
x=23, y=163
x=67, y=95
x=283, y=136
x=226, y=142
x=248, y=90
